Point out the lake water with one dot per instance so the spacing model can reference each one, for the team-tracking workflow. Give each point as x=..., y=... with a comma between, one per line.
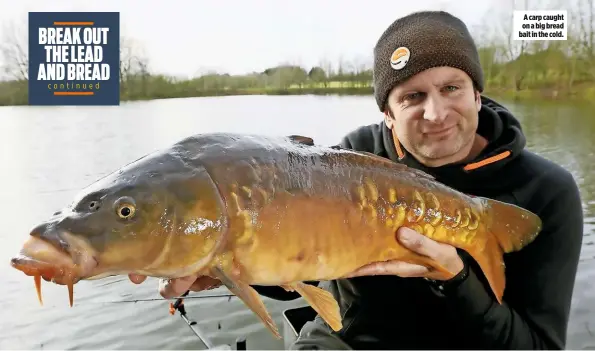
x=48, y=153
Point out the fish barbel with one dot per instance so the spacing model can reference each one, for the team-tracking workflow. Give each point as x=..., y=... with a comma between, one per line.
x=261, y=210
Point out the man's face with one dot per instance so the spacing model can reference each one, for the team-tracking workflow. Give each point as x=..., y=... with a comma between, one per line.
x=434, y=115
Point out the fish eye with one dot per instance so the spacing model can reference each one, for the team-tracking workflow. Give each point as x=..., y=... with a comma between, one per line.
x=125, y=207
x=125, y=211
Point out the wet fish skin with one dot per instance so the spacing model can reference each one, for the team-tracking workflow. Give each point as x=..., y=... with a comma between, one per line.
x=278, y=211
x=299, y=212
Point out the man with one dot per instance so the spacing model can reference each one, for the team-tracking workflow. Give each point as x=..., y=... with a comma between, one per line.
x=428, y=80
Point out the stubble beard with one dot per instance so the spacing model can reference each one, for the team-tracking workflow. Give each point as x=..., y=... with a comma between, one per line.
x=428, y=149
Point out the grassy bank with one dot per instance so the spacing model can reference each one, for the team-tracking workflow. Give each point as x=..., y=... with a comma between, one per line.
x=15, y=92
x=551, y=73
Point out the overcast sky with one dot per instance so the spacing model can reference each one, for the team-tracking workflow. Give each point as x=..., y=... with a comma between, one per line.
x=185, y=37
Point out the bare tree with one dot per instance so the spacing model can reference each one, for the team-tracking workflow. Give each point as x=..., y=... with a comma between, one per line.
x=134, y=64
x=327, y=67
x=514, y=49
x=14, y=56
x=584, y=18
x=583, y=35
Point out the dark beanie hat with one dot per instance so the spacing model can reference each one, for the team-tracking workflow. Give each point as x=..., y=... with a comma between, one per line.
x=420, y=41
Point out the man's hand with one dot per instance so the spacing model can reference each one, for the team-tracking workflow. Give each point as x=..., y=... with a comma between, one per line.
x=444, y=254
x=169, y=288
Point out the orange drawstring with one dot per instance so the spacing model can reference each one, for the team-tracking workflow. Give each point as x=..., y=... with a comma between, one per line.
x=487, y=161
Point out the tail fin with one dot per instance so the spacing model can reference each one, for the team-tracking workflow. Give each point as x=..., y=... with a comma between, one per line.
x=512, y=226
x=510, y=229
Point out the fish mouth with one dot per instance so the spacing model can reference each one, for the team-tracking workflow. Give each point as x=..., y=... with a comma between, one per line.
x=41, y=258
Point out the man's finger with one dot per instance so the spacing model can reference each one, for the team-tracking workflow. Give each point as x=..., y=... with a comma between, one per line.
x=137, y=278
x=398, y=268
x=169, y=288
x=419, y=243
x=205, y=283
x=445, y=255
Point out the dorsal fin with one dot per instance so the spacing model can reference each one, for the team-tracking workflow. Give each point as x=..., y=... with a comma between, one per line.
x=415, y=171
x=421, y=173
x=399, y=165
x=300, y=139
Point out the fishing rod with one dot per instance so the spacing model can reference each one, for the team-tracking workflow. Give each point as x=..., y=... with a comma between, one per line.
x=179, y=306
x=202, y=296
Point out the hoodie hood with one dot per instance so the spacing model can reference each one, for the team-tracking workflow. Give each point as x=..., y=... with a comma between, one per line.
x=506, y=142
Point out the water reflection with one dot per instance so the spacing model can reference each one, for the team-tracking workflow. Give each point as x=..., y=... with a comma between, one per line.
x=564, y=133
x=48, y=154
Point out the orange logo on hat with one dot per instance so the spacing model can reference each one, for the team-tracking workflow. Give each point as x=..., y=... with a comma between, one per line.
x=399, y=58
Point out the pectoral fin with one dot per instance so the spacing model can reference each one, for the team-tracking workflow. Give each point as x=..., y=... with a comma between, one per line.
x=249, y=296
x=321, y=301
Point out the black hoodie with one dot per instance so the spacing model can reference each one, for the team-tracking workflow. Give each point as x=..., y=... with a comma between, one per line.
x=385, y=312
